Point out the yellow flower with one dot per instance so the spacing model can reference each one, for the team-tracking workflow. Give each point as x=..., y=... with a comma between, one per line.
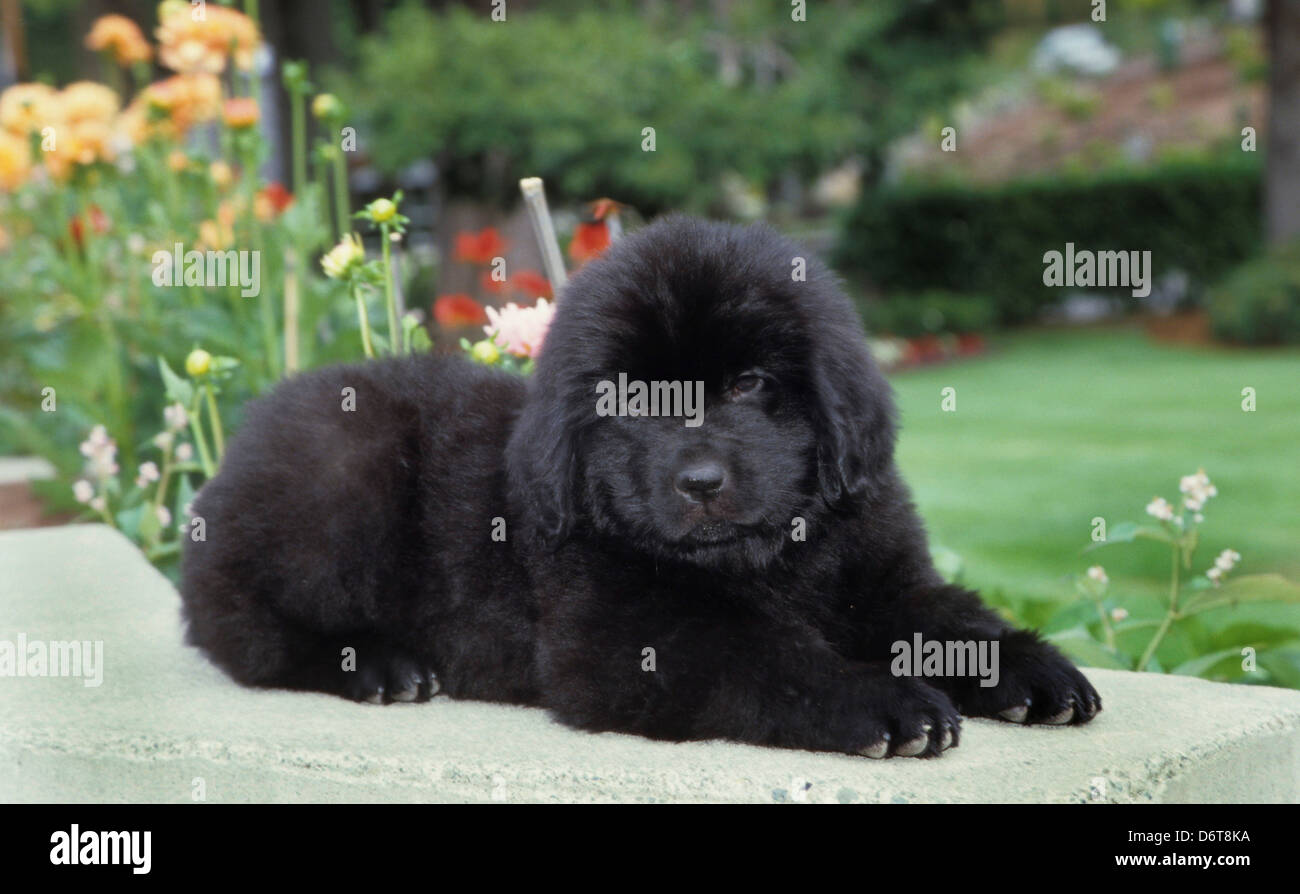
x=178, y=160
x=198, y=363
x=15, y=161
x=121, y=37
x=221, y=174
x=340, y=260
x=29, y=107
x=326, y=106
x=485, y=352
x=202, y=46
x=382, y=210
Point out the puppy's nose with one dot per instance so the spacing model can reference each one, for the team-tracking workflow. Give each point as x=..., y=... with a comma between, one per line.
x=700, y=483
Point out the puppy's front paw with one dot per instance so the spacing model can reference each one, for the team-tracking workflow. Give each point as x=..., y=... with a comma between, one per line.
x=904, y=718
x=383, y=676
x=1036, y=684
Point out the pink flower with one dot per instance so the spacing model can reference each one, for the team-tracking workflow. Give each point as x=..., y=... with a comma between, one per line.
x=520, y=330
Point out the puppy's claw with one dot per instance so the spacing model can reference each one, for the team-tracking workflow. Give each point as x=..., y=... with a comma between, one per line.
x=1061, y=717
x=376, y=697
x=914, y=747
x=946, y=742
x=434, y=686
x=877, y=751
x=1016, y=714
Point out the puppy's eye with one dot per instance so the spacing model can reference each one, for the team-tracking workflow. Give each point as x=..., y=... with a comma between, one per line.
x=747, y=383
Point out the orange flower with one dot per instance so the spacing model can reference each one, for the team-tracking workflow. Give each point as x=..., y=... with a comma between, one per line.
x=29, y=107
x=121, y=37
x=178, y=160
x=88, y=101
x=589, y=240
x=171, y=106
x=15, y=161
x=240, y=112
x=452, y=311
x=271, y=201
x=202, y=46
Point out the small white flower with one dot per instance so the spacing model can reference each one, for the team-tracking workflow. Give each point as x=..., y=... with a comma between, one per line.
x=147, y=475
x=1198, y=518
x=1118, y=614
x=164, y=516
x=184, y=453
x=175, y=417
x=1227, y=560
x=1160, y=508
x=1215, y=574
x=99, y=504
x=163, y=440
x=1097, y=573
x=83, y=490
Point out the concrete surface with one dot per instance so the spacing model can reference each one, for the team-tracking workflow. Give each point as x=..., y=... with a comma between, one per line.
x=164, y=724
x=21, y=469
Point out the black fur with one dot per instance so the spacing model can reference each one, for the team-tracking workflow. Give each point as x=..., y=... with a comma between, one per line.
x=372, y=529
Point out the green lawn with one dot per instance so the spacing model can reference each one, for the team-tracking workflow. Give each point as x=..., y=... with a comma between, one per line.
x=1054, y=428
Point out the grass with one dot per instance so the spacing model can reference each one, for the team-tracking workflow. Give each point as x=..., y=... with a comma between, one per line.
x=1054, y=428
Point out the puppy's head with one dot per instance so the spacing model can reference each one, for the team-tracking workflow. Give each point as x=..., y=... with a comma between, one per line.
x=795, y=416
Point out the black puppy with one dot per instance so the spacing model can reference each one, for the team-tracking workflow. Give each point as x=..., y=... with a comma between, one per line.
x=388, y=529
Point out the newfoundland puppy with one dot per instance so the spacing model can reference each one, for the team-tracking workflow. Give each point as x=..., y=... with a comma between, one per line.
x=753, y=571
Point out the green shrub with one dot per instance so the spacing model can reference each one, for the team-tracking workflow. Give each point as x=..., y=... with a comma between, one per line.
x=1201, y=217
x=930, y=313
x=1259, y=302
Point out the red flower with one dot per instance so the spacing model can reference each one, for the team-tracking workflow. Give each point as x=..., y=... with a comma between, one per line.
x=98, y=223
x=453, y=311
x=276, y=197
x=480, y=247
x=490, y=285
x=531, y=283
x=589, y=240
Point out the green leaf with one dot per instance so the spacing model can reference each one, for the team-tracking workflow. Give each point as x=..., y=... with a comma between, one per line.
x=178, y=390
x=1082, y=647
x=1250, y=588
x=1205, y=665
x=1127, y=532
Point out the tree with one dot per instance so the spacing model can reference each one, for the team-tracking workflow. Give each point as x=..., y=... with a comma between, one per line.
x=1282, y=174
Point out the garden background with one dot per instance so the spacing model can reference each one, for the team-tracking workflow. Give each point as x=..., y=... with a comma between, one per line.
x=370, y=153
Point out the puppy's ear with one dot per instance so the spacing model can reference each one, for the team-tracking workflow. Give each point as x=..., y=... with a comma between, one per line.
x=541, y=464
x=855, y=416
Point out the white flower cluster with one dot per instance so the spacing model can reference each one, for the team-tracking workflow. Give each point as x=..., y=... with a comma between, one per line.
x=1196, y=490
x=1225, y=562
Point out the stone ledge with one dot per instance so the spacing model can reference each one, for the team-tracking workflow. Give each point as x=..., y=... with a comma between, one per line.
x=163, y=716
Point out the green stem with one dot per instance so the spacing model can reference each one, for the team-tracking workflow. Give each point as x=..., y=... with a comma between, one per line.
x=1170, y=616
x=364, y=319
x=218, y=436
x=394, y=333
x=298, y=101
x=341, y=205
x=196, y=423
x=1107, y=630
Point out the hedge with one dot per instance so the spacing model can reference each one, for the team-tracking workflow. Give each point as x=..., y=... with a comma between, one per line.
x=1199, y=217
